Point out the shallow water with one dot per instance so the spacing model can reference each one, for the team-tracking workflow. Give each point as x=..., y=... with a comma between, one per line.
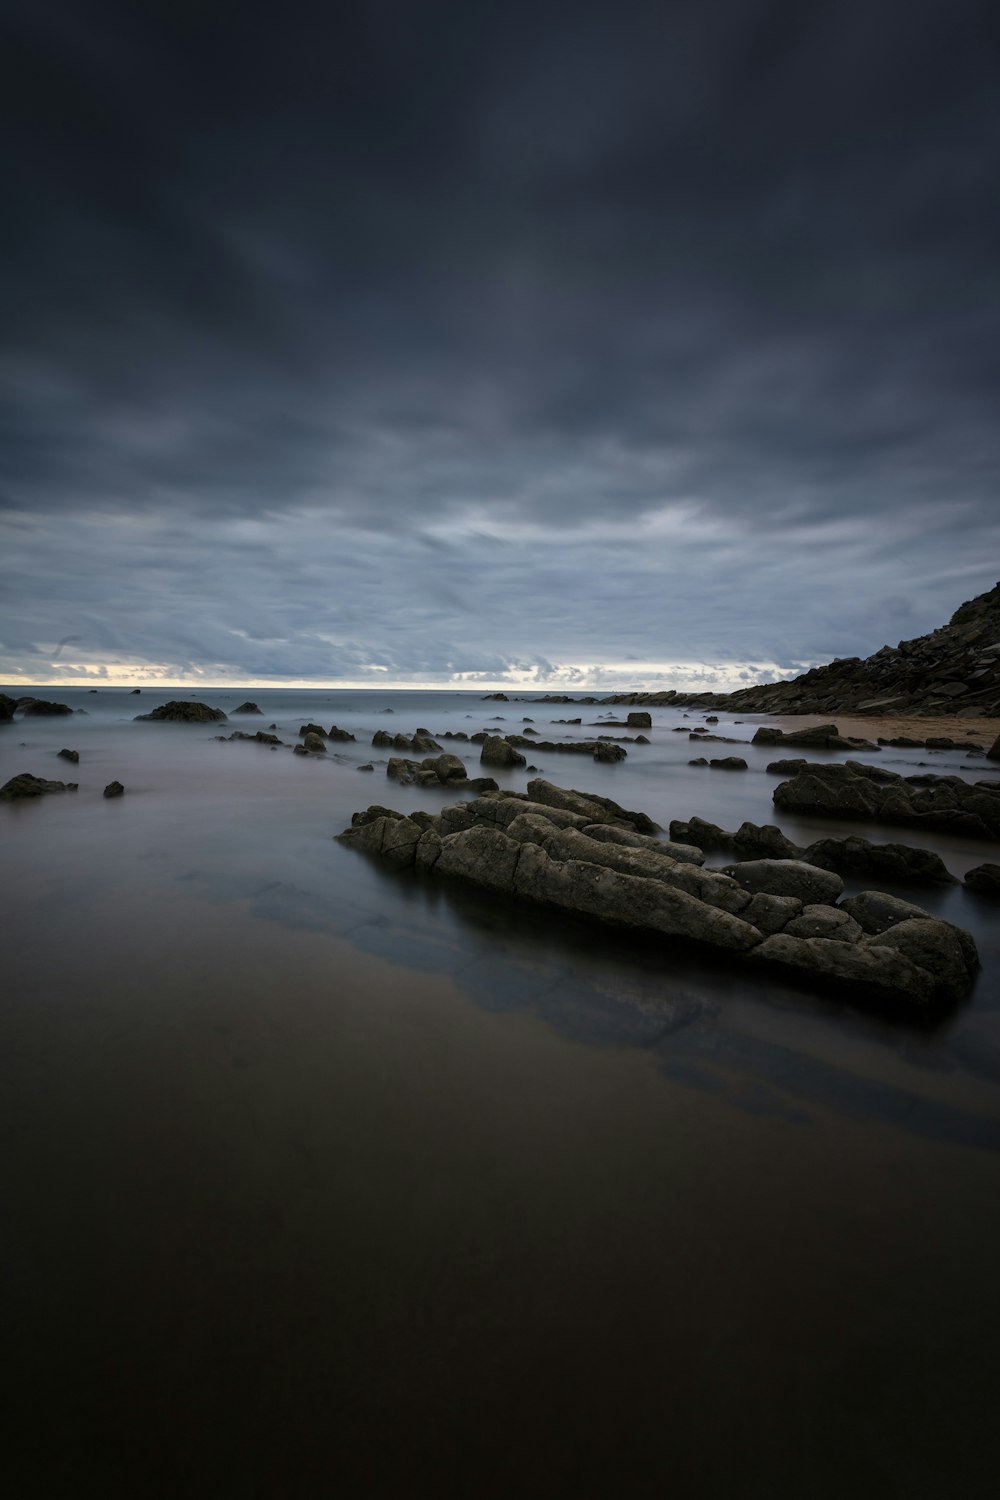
x=319, y=1177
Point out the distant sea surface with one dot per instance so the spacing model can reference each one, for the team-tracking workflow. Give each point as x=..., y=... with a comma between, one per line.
x=321, y=1180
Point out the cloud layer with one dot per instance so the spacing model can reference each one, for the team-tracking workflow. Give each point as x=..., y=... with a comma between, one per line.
x=463, y=339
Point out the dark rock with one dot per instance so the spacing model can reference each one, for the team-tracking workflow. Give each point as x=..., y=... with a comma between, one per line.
x=73, y=755
x=179, y=712
x=890, y=862
x=984, y=879
x=366, y=767
x=26, y=785
x=699, y=760
x=729, y=763
x=305, y=729
x=314, y=743
x=247, y=708
x=856, y=791
x=639, y=720
x=340, y=734
x=114, y=789
x=41, y=708
x=133, y=694
x=993, y=753
x=764, y=841
x=495, y=698
x=497, y=752
x=606, y=752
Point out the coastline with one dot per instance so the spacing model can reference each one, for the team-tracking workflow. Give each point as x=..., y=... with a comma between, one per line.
x=982, y=730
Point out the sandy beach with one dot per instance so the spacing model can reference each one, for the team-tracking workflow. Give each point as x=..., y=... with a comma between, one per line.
x=981, y=731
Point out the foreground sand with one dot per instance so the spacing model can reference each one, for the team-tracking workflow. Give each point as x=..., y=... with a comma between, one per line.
x=982, y=731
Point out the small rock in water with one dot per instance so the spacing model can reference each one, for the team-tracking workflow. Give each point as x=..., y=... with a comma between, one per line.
x=114, y=789
x=73, y=755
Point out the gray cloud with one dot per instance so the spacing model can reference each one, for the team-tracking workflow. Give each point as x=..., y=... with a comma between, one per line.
x=445, y=337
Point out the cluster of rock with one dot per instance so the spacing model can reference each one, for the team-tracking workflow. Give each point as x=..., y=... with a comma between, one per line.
x=25, y=785
x=954, y=669
x=436, y=771
x=421, y=742
x=586, y=855
x=854, y=856
x=854, y=790
x=260, y=738
x=178, y=711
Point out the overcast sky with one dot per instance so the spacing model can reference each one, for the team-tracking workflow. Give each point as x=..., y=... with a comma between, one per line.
x=428, y=341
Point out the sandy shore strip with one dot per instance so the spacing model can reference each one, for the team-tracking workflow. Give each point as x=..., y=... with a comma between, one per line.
x=981, y=731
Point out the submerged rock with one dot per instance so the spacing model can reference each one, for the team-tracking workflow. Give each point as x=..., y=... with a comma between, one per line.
x=73, y=755
x=247, y=708
x=984, y=879
x=497, y=752
x=114, y=789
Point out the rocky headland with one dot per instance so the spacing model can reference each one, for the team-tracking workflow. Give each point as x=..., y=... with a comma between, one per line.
x=952, y=670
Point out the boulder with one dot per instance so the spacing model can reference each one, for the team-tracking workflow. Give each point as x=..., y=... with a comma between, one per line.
x=607, y=752
x=497, y=752
x=179, y=712
x=764, y=841
x=878, y=972
x=639, y=720
x=729, y=763
x=984, y=879
x=73, y=755
x=114, y=789
x=247, y=708
x=339, y=734
x=314, y=743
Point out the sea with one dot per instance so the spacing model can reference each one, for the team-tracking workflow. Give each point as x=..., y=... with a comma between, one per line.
x=324, y=1180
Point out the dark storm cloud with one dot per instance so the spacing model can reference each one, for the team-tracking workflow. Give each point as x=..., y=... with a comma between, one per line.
x=667, y=331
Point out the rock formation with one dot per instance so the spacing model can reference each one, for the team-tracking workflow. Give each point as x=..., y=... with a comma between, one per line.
x=855, y=856
x=179, y=712
x=586, y=856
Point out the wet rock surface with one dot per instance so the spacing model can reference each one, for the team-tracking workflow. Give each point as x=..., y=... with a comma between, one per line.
x=542, y=846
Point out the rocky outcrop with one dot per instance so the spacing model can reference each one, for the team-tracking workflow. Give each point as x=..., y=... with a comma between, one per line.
x=857, y=791
x=954, y=669
x=437, y=771
x=247, y=708
x=603, y=749
x=42, y=708
x=26, y=785
x=7, y=707
x=495, y=698
x=854, y=856
x=181, y=712
x=782, y=913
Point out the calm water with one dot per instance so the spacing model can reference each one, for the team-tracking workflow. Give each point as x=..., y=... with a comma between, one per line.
x=320, y=1180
